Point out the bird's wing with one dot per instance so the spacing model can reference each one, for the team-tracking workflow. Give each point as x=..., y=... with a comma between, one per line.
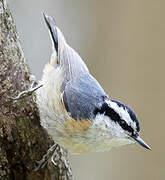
x=82, y=95
x=81, y=92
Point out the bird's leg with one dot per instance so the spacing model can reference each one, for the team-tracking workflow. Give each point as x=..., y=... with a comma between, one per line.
x=46, y=157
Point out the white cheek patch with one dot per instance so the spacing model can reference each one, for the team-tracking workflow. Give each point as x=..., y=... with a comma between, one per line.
x=106, y=124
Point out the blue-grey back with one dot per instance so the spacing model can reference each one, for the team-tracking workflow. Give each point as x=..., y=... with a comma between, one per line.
x=82, y=95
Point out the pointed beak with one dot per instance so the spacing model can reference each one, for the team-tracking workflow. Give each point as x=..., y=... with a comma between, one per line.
x=141, y=142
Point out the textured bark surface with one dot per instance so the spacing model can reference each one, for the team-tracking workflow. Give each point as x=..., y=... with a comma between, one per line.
x=22, y=139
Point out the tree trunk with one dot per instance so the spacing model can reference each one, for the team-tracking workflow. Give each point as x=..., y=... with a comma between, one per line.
x=22, y=139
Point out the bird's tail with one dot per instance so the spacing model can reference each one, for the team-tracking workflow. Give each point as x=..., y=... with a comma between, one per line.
x=63, y=54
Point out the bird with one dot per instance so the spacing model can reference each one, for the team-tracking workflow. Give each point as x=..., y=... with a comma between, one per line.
x=74, y=108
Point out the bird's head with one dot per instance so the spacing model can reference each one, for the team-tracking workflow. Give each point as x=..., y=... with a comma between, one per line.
x=121, y=121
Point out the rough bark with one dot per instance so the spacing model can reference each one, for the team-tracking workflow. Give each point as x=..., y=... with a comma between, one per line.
x=22, y=139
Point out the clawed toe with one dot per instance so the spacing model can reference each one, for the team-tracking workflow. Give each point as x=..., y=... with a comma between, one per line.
x=46, y=157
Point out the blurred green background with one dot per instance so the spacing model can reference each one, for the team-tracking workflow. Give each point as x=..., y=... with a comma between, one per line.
x=123, y=44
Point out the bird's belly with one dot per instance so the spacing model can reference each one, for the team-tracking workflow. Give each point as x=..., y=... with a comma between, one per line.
x=82, y=145
x=80, y=137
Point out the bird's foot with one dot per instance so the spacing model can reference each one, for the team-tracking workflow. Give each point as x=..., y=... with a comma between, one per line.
x=46, y=157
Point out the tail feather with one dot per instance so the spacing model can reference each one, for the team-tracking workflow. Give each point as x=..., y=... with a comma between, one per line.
x=63, y=55
x=52, y=28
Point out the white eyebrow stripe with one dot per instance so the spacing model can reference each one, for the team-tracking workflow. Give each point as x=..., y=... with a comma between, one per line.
x=123, y=113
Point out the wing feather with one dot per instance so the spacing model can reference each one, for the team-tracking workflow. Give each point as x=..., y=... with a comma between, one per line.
x=82, y=95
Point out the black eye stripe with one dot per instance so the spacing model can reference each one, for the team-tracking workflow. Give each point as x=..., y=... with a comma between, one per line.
x=126, y=127
x=131, y=113
x=106, y=110
x=114, y=116
x=122, y=122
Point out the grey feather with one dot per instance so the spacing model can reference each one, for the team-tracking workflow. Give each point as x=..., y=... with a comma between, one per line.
x=82, y=95
x=51, y=26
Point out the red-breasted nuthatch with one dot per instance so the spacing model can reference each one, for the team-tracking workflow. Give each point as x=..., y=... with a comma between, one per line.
x=74, y=108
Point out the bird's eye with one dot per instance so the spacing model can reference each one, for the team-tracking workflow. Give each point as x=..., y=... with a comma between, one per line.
x=126, y=127
x=122, y=122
